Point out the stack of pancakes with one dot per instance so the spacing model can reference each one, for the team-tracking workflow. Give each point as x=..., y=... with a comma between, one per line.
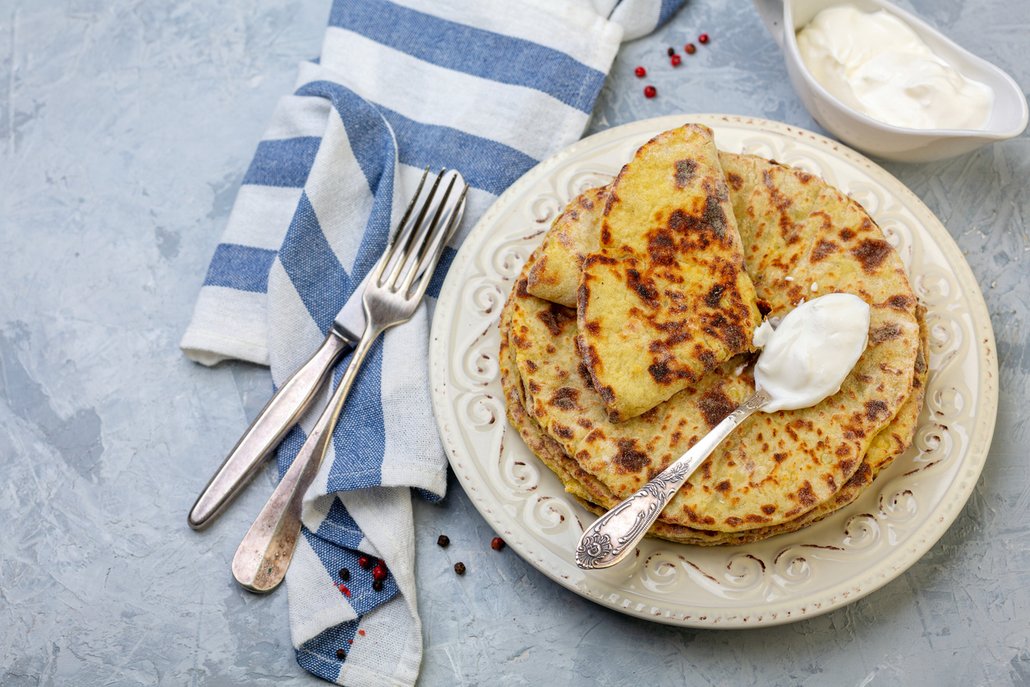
x=628, y=336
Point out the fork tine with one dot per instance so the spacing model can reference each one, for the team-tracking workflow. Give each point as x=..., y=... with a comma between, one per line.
x=399, y=235
x=411, y=237
x=427, y=265
x=439, y=224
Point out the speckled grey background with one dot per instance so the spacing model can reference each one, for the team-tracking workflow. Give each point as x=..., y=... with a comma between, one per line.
x=125, y=128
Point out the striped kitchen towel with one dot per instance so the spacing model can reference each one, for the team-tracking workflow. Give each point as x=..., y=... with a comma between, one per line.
x=486, y=87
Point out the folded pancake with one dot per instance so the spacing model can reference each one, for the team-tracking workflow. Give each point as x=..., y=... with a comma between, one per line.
x=665, y=299
x=778, y=466
x=554, y=275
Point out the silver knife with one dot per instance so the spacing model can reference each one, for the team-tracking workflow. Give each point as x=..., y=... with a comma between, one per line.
x=280, y=414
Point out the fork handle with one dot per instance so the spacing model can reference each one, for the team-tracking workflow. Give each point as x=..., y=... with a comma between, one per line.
x=265, y=553
x=265, y=433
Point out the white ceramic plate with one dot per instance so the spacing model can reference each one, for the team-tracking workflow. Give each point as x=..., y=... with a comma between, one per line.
x=848, y=555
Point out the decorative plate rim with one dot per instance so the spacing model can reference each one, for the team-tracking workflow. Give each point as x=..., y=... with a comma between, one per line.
x=864, y=581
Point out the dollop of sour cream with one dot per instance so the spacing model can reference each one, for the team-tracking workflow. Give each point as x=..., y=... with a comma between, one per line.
x=808, y=356
x=876, y=64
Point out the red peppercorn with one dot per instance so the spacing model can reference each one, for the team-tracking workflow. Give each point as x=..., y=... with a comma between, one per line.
x=496, y=543
x=703, y=38
x=650, y=91
x=675, y=60
x=361, y=632
x=690, y=48
x=443, y=541
x=341, y=654
x=670, y=52
x=343, y=589
x=379, y=572
x=365, y=562
x=459, y=568
x=640, y=72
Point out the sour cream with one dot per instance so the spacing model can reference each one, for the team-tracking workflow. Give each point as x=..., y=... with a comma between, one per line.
x=806, y=358
x=876, y=64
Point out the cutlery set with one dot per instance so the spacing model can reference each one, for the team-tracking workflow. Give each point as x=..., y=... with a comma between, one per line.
x=388, y=296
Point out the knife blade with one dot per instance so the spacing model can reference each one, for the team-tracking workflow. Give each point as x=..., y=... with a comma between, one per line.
x=279, y=415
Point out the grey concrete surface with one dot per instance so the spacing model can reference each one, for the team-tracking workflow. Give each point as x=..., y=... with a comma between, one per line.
x=125, y=128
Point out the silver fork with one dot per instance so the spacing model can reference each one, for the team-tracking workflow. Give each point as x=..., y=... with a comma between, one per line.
x=396, y=287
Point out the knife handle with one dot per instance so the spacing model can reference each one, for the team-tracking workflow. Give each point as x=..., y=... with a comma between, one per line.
x=264, y=434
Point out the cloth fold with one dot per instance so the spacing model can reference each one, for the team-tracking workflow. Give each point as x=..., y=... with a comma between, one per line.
x=488, y=88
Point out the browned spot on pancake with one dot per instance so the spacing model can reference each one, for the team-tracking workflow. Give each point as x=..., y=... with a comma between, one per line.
x=713, y=296
x=556, y=317
x=596, y=435
x=846, y=465
x=680, y=221
x=779, y=457
x=862, y=474
x=754, y=517
x=805, y=494
x=531, y=365
x=551, y=349
x=707, y=358
x=714, y=217
x=606, y=393
x=674, y=440
x=706, y=469
x=606, y=233
x=593, y=326
x=876, y=409
x=644, y=288
x=843, y=450
x=822, y=249
x=563, y=431
x=661, y=246
x=565, y=398
x=521, y=287
x=735, y=180
x=900, y=302
x=585, y=202
x=685, y=170
x=831, y=483
x=723, y=485
x=629, y=457
x=846, y=234
x=584, y=423
x=871, y=253
x=733, y=521
x=734, y=337
x=534, y=388
x=650, y=415
x=715, y=405
x=584, y=374
x=884, y=333
x=660, y=372
x=768, y=509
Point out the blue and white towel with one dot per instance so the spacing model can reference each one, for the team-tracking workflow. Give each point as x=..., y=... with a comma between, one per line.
x=488, y=88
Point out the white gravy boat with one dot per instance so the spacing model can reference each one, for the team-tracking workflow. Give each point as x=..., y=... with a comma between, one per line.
x=1008, y=117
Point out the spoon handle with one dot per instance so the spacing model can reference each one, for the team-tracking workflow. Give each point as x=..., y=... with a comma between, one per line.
x=614, y=534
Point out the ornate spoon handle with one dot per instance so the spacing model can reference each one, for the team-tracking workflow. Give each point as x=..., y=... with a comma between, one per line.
x=614, y=534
